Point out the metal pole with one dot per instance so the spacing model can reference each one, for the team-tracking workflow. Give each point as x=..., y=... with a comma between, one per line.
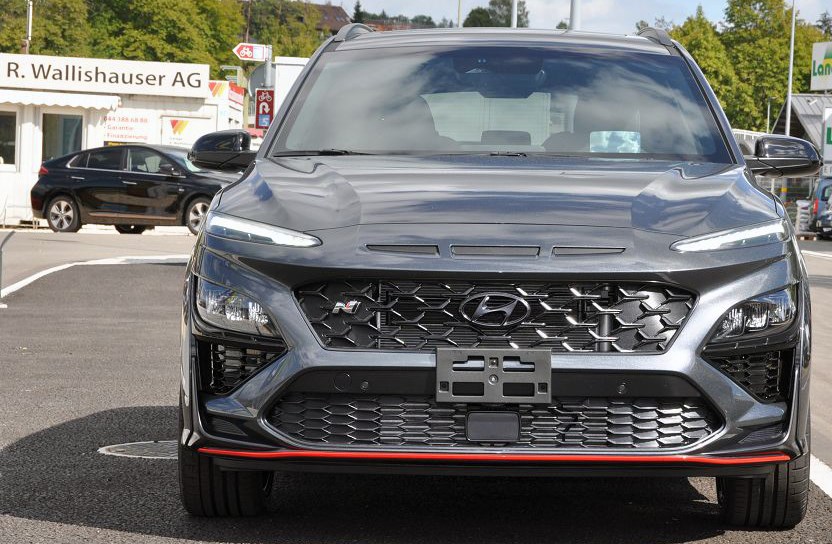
x=28, y=41
x=791, y=72
x=768, y=115
x=269, y=76
x=513, y=13
x=459, y=14
x=575, y=15
x=3, y=243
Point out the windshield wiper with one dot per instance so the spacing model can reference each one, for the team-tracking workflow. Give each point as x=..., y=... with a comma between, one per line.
x=508, y=154
x=318, y=153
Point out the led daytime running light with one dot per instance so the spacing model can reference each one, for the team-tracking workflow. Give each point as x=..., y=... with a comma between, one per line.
x=767, y=233
x=235, y=228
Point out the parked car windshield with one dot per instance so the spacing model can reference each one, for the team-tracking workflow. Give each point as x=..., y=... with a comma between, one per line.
x=182, y=158
x=548, y=100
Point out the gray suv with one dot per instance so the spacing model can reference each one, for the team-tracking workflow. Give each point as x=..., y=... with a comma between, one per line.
x=498, y=252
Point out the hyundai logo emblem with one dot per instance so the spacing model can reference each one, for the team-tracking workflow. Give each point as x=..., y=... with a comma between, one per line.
x=495, y=309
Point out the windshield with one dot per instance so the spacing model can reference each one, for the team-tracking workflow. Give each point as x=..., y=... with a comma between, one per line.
x=552, y=100
x=181, y=157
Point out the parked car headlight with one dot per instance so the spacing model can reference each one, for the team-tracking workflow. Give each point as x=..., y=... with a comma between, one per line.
x=770, y=311
x=757, y=235
x=225, y=308
x=235, y=228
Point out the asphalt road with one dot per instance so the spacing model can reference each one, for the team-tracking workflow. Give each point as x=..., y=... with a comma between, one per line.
x=85, y=362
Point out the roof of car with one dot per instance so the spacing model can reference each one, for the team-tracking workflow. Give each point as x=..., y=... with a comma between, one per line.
x=498, y=36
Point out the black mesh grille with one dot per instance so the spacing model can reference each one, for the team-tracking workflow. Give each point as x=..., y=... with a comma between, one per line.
x=388, y=420
x=417, y=315
x=765, y=375
x=226, y=366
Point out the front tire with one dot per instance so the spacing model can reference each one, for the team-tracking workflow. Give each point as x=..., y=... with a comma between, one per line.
x=130, y=229
x=778, y=501
x=196, y=213
x=63, y=215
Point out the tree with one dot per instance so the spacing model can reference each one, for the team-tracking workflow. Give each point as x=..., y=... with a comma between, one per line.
x=226, y=21
x=701, y=39
x=825, y=25
x=641, y=25
x=423, y=21
x=156, y=30
x=61, y=27
x=756, y=36
x=478, y=17
x=357, y=13
x=562, y=25
x=290, y=27
x=500, y=12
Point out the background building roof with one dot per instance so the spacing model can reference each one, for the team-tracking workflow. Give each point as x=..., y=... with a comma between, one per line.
x=807, y=117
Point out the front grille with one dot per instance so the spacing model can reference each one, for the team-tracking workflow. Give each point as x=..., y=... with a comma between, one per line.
x=765, y=375
x=423, y=315
x=595, y=422
x=224, y=366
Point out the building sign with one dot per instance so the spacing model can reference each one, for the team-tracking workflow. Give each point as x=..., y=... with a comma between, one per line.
x=225, y=90
x=127, y=125
x=184, y=131
x=826, y=141
x=103, y=75
x=822, y=66
x=263, y=108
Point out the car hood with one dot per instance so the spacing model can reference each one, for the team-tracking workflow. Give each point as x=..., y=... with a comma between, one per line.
x=317, y=193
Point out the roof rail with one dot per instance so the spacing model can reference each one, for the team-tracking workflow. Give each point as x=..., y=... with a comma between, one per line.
x=351, y=31
x=657, y=34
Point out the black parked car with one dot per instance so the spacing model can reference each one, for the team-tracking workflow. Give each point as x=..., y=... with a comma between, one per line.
x=499, y=252
x=131, y=186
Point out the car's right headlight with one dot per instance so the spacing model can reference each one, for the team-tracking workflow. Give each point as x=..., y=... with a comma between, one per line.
x=758, y=315
x=244, y=230
x=227, y=309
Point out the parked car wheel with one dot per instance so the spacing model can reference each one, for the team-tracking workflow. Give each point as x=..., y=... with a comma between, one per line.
x=62, y=214
x=196, y=213
x=131, y=229
x=778, y=501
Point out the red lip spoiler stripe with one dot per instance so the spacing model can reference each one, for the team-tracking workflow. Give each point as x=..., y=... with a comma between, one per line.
x=774, y=457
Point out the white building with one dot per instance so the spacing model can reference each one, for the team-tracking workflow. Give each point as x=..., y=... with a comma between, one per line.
x=51, y=106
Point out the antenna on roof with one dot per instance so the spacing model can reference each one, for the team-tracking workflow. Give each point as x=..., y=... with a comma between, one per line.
x=657, y=35
x=351, y=31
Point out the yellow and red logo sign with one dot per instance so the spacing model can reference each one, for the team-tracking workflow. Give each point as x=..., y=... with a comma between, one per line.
x=218, y=88
x=178, y=126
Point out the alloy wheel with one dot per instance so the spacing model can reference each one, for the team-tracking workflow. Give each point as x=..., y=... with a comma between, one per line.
x=61, y=214
x=196, y=215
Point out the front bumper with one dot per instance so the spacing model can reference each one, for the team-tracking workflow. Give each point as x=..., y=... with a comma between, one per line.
x=750, y=437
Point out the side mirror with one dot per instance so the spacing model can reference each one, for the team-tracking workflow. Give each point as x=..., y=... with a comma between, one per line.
x=784, y=156
x=170, y=170
x=223, y=150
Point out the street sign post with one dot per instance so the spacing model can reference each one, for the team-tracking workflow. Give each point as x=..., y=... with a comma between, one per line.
x=263, y=108
x=253, y=52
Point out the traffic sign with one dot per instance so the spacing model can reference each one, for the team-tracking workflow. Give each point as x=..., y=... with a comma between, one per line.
x=254, y=52
x=263, y=107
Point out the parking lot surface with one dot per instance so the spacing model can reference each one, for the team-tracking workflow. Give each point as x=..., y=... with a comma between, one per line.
x=89, y=357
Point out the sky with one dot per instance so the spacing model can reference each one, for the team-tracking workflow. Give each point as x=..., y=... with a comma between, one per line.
x=616, y=16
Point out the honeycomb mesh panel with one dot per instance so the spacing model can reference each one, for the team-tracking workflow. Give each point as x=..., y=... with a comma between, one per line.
x=423, y=315
x=227, y=366
x=765, y=375
x=389, y=420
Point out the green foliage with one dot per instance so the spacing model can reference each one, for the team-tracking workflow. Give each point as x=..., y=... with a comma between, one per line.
x=825, y=25
x=747, y=61
x=478, y=17
x=288, y=26
x=563, y=25
x=500, y=12
x=358, y=13
x=60, y=28
x=423, y=21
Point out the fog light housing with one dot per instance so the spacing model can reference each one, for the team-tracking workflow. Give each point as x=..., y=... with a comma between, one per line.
x=757, y=315
x=227, y=309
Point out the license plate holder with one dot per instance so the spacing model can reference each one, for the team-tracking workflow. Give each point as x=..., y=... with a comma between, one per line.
x=494, y=376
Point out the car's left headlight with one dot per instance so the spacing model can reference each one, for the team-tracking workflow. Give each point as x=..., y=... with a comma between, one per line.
x=756, y=235
x=760, y=314
x=227, y=309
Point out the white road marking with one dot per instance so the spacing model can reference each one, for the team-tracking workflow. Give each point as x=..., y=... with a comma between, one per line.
x=820, y=472
x=142, y=259
x=819, y=254
x=821, y=475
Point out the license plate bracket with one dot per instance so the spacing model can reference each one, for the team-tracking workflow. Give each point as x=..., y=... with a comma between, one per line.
x=494, y=376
